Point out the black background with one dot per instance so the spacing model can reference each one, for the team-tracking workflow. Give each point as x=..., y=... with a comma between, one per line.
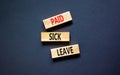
x=95, y=27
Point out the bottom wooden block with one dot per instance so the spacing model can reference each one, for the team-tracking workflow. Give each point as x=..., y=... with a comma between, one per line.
x=65, y=51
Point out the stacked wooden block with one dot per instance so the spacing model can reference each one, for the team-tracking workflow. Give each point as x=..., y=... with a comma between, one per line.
x=59, y=36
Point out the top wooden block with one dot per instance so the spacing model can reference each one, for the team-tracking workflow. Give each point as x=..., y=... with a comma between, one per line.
x=57, y=20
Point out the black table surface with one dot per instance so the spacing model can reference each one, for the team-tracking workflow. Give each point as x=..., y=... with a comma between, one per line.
x=95, y=27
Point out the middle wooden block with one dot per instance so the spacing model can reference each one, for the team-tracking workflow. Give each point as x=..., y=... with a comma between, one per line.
x=55, y=36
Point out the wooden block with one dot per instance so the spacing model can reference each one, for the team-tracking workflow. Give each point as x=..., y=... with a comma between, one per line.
x=65, y=51
x=57, y=20
x=55, y=36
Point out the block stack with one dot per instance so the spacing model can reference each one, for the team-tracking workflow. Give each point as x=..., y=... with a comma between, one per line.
x=59, y=36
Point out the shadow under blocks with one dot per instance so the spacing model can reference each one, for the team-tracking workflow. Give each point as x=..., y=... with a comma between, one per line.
x=66, y=58
x=55, y=43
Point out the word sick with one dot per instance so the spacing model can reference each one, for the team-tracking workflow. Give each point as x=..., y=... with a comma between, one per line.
x=55, y=36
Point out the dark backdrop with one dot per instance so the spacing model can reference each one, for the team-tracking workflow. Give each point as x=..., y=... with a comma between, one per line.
x=95, y=27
